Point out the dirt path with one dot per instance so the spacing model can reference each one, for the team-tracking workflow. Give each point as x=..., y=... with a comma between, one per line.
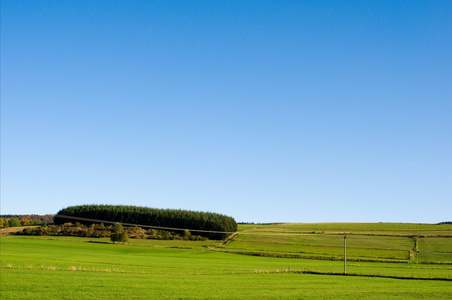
x=6, y=231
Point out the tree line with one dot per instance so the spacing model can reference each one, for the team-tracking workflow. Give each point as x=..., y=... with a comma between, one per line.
x=182, y=219
x=116, y=232
x=24, y=220
x=14, y=222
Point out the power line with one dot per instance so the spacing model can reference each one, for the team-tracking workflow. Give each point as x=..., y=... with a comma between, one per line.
x=140, y=225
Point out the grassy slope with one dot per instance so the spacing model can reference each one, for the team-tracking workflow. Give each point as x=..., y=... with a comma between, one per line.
x=326, y=245
x=377, y=241
x=58, y=254
x=17, y=250
x=363, y=228
x=38, y=267
x=436, y=244
x=24, y=284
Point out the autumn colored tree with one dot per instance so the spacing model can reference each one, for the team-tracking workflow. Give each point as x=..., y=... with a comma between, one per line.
x=14, y=222
x=25, y=222
x=5, y=223
x=117, y=227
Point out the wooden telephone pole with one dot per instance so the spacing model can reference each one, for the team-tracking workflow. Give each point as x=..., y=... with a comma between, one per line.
x=345, y=254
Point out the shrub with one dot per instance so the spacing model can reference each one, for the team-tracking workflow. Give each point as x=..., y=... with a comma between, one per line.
x=186, y=234
x=120, y=237
x=114, y=237
x=123, y=237
x=117, y=227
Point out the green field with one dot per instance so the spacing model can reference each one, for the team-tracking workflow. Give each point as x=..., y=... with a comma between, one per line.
x=24, y=284
x=369, y=247
x=261, y=262
x=380, y=242
x=403, y=229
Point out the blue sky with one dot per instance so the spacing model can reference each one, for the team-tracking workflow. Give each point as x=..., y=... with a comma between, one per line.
x=267, y=111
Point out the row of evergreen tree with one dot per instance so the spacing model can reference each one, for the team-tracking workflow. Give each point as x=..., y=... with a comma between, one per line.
x=183, y=219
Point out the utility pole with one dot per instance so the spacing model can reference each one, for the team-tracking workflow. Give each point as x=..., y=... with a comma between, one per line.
x=345, y=254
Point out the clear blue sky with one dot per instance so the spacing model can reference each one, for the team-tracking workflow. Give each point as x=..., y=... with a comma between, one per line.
x=267, y=111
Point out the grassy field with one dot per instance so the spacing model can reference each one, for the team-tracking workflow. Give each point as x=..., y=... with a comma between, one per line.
x=328, y=245
x=36, y=284
x=413, y=243
x=255, y=264
x=404, y=229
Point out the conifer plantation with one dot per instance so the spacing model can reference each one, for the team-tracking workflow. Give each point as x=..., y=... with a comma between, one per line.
x=171, y=218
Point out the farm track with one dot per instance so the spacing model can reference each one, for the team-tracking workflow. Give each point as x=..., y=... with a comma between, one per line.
x=9, y=230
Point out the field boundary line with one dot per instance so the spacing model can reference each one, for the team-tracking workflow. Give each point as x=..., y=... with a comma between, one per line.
x=295, y=256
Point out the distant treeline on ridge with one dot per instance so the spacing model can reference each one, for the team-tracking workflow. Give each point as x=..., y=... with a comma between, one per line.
x=183, y=219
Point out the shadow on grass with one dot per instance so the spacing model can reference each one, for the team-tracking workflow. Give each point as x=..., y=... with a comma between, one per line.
x=95, y=242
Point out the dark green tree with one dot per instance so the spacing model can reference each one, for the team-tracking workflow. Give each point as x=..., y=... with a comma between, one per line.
x=123, y=237
x=114, y=237
x=220, y=225
x=120, y=237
